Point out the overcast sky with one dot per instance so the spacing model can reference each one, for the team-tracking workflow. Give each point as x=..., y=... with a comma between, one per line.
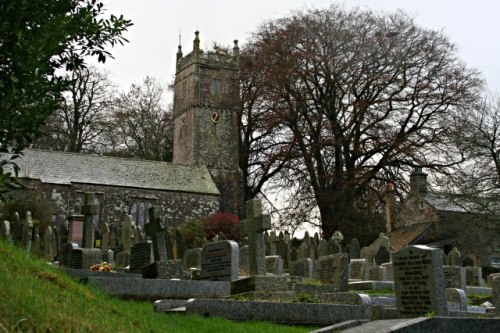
x=473, y=25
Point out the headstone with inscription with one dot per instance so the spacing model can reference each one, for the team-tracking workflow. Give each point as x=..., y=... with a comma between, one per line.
x=253, y=227
x=89, y=210
x=358, y=269
x=419, y=281
x=323, y=248
x=454, y=277
x=141, y=254
x=219, y=261
x=302, y=267
x=333, y=270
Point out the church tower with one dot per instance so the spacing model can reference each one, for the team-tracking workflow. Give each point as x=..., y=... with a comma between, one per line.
x=206, y=102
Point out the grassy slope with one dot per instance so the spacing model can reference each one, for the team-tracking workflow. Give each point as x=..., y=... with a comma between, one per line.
x=37, y=298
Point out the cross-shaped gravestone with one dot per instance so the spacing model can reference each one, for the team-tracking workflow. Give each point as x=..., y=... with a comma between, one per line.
x=253, y=227
x=156, y=231
x=89, y=209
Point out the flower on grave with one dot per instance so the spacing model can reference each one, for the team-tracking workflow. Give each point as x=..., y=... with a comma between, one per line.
x=102, y=267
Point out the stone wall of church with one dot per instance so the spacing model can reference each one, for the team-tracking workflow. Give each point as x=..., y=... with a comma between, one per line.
x=116, y=202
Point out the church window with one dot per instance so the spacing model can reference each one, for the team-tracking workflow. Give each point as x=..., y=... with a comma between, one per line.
x=216, y=87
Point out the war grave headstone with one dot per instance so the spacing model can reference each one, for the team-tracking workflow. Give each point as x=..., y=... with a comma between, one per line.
x=419, y=281
x=358, y=269
x=253, y=227
x=334, y=270
x=458, y=298
x=454, y=277
x=220, y=261
x=141, y=254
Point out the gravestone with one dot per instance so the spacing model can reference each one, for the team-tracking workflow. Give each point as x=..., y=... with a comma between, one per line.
x=27, y=232
x=75, y=229
x=354, y=249
x=16, y=230
x=495, y=288
x=89, y=210
x=244, y=263
x=474, y=276
x=383, y=255
x=283, y=250
x=36, y=246
x=294, y=255
x=105, y=237
x=454, y=277
x=303, y=251
x=156, y=231
x=219, y=261
x=141, y=254
x=192, y=258
x=271, y=244
x=358, y=269
x=82, y=258
x=253, y=227
x=5, y=231
x=369, y=252
x=454, y=258
x=334, y=270
x=377, y=273
x=337, y=241
x=113, y=238
x=419, y=281
x=127, y=232
x=56, y=243
x=181, y=244
x=313, y=251
x=302, y=267
x=65, y=257
x=323, y=248
x=389, y=268
x=48, y=252
x=165, y=269
x=274, y=265
x=169, y=244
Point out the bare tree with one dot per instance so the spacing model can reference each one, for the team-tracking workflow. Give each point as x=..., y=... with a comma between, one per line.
x=82, y=116
x=142, y=123
x=358, y=97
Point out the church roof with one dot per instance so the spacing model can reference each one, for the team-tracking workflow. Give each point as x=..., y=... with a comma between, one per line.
x=445, y=203
x=66, y=168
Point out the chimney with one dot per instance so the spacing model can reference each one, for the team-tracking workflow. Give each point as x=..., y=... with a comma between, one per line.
x=390, y=207
x=196, y=44
x=418, y=182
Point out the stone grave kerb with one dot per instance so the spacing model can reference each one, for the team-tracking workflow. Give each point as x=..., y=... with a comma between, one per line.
x=253, y=227
x=156, y=230
x=89, y=209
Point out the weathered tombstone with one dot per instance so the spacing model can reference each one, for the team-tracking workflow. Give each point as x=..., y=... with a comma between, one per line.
x=169, y=244
x=82, y=258
x=454, y=258
x=354, y=249
x=89, y=210
x=36, y=247
x=66, y=251
x=156, y=231
x=419, y=281
x=253, y=227
x=283, y=250
x=113, y=239
x=219, y=261
x=294, y=255
x=105, y=237
x=303, y=251
x=457, y=296
x=334, y=270
x=48, y=252
x=56, y=243
x=5, y=231
x=274, y=265
x=16, y=229
x=192, y=258
x=302, y=267
x=368, y=252
x=377, y=273
x=454, y=277
x=127, y=232
x=389, y=268
x=495, y=288
x=141, y=254
x=181, y=244
x=323, y=248
x=138, y=235
x=313, y=251
x=474, y=276
x=337, y=241
x=358, y=269
x=244, y=262
x=383, y=255
x=271, y=244
x=27, y=232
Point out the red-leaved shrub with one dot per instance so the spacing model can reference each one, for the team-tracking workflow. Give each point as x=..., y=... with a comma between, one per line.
x=226, y=223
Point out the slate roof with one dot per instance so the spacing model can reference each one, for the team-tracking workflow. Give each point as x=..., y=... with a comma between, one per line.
x=66, y=168
x=401, y=237
x=446, y=204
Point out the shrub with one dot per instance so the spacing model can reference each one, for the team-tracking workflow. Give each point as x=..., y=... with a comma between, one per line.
x=27, y=201
x=227, y=223
x=192, y=231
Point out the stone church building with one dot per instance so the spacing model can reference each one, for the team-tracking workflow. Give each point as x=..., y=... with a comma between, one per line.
x=430, y=218
x=203, y=178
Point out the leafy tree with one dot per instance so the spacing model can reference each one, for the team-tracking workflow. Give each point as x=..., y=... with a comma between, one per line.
x=358, y=96
x=227, y=223
x=142, y=124
x=83, y=115
x=38, y=40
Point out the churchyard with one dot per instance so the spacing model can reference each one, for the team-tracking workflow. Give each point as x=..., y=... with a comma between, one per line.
x=328, y=283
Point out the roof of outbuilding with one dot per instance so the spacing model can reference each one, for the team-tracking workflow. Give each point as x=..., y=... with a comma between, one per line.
x=66, y=168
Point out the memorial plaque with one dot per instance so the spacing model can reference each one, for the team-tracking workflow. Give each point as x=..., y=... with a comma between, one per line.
x=334, y=269
x=419, y=281
x=219, y=261
x=141, y=254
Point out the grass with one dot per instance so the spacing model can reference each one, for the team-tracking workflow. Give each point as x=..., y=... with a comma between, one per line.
x=35, y=297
